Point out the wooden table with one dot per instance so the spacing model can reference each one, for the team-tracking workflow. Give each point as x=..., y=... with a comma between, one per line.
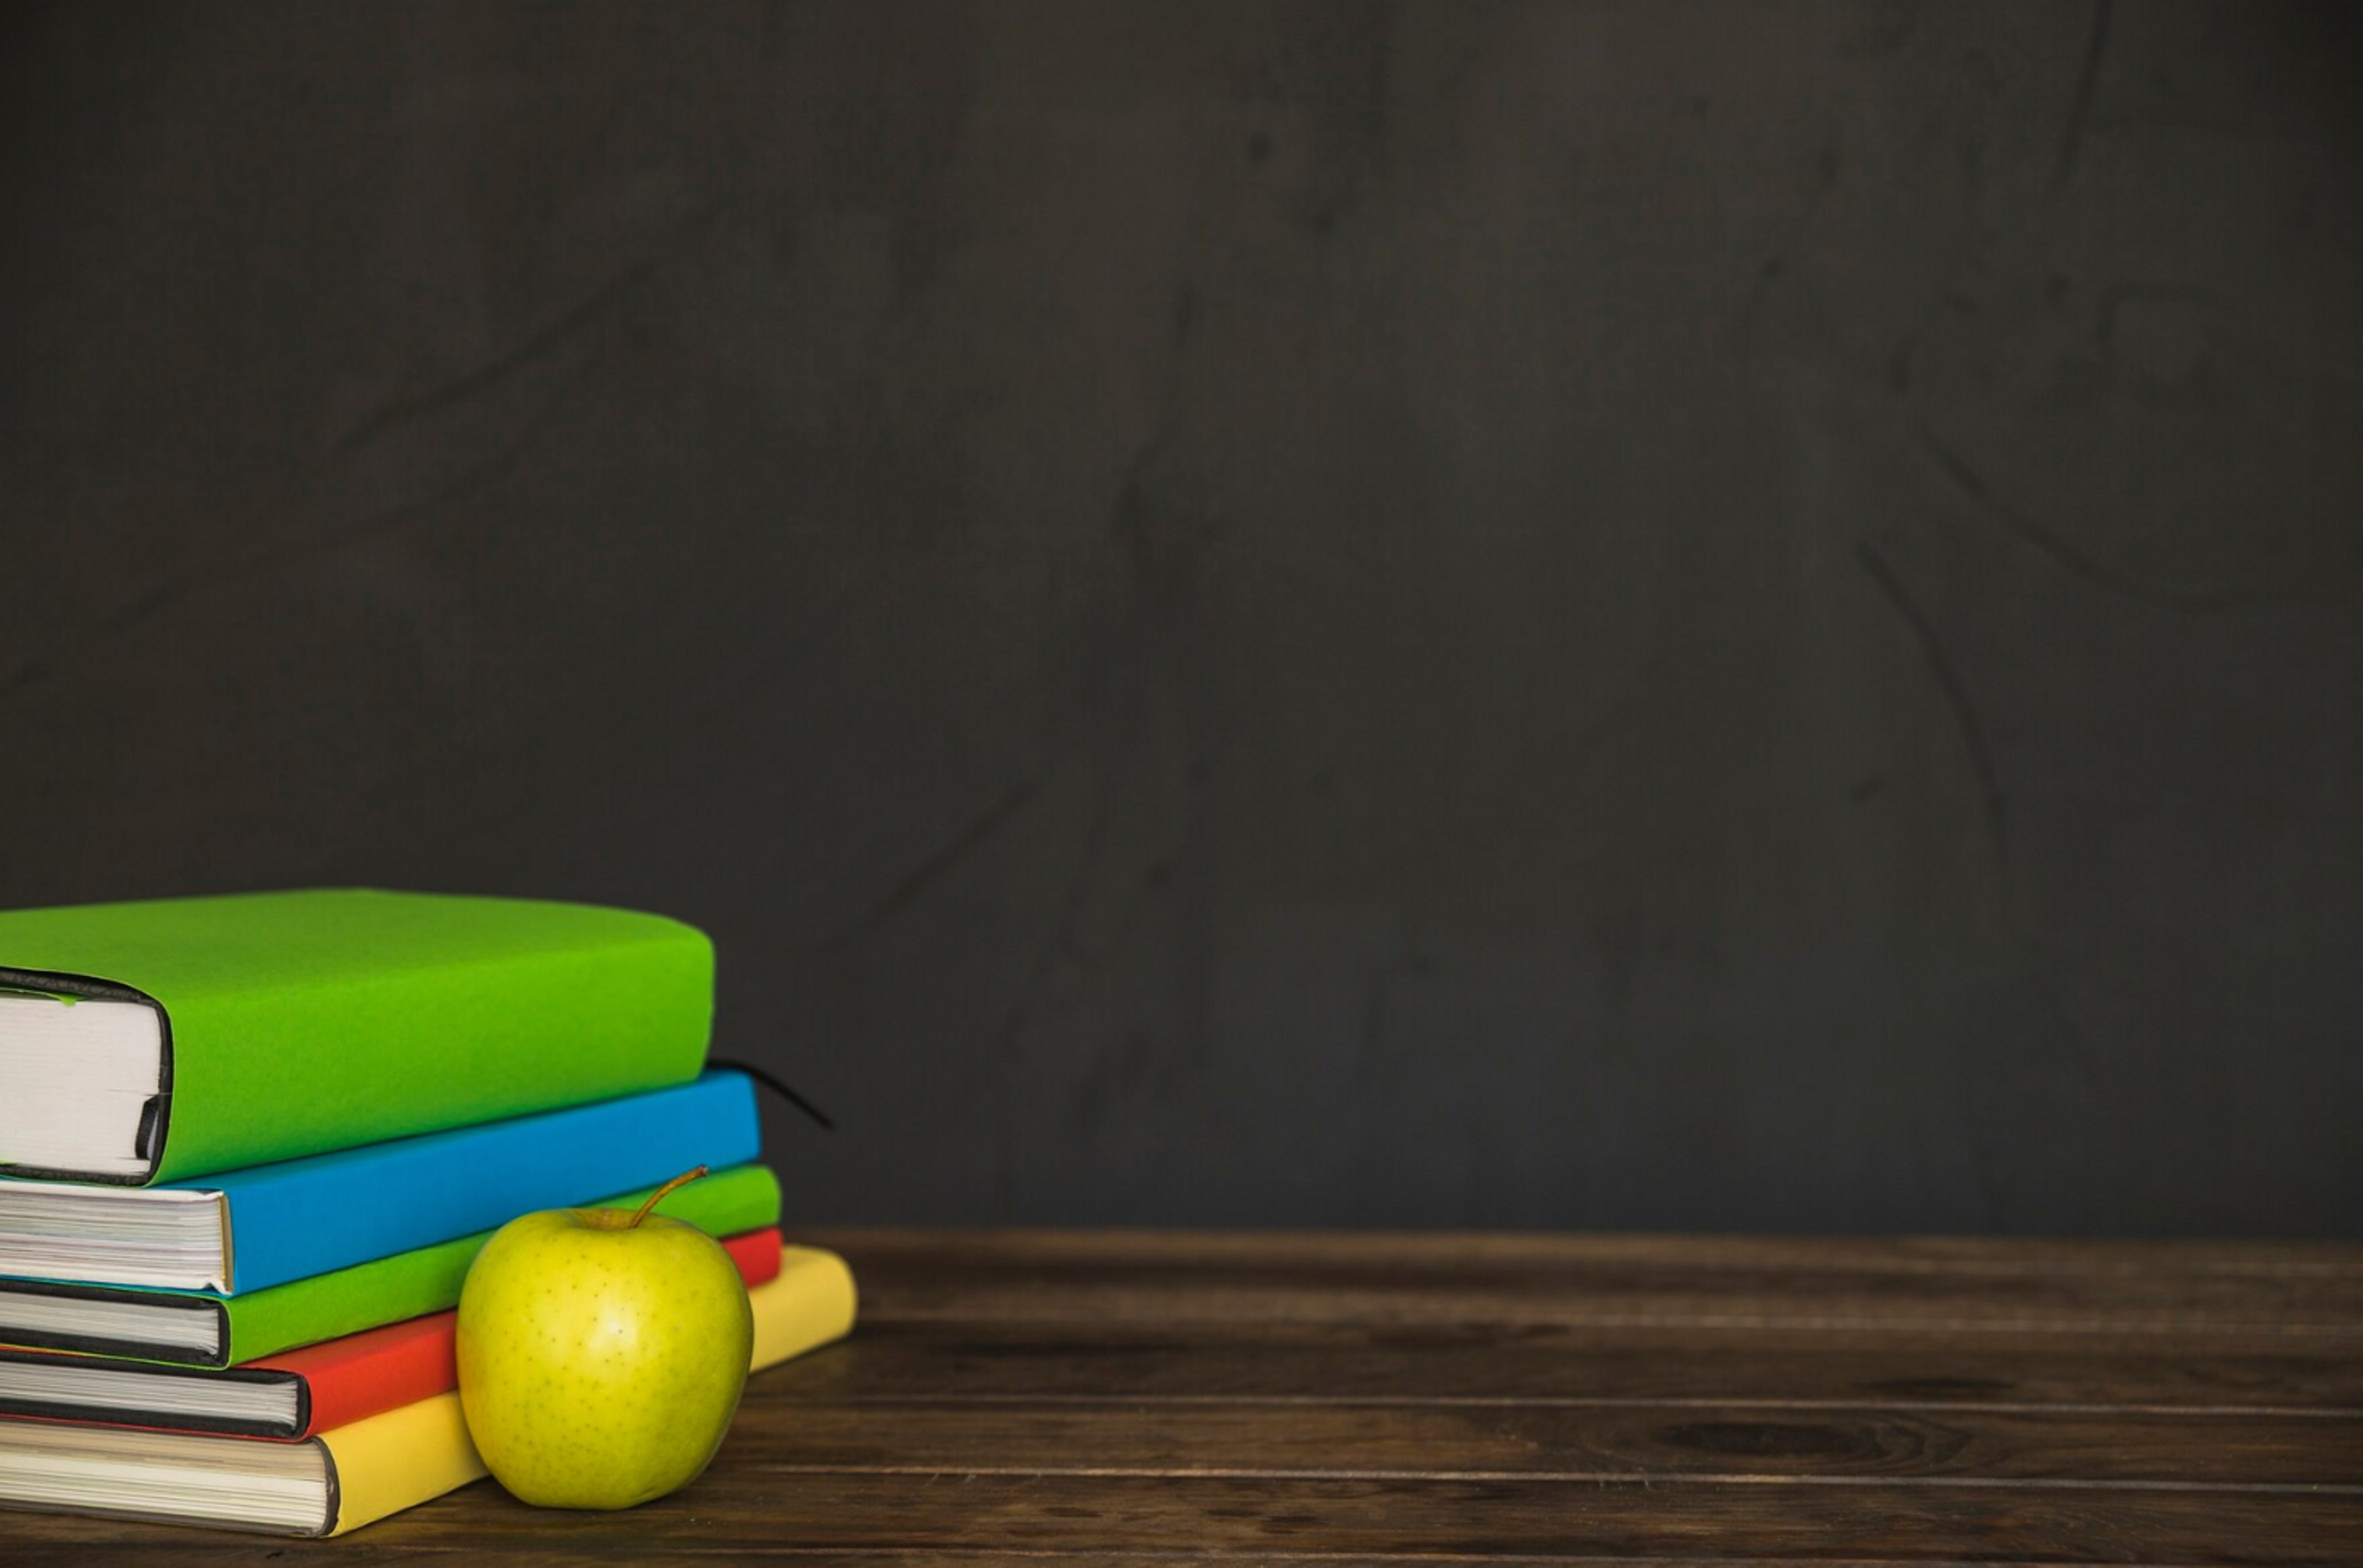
x=1073, y=1398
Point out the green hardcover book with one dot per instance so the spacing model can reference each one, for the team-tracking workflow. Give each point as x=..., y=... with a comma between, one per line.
x=201, y=1329
x=154, y=1041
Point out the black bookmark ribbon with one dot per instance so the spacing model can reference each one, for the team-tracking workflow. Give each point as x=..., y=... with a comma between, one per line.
x=763, y=1076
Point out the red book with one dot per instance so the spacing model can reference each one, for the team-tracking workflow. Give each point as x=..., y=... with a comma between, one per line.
x=291, y=1395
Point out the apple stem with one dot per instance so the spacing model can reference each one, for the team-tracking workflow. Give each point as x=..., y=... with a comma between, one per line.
x=662, y=1192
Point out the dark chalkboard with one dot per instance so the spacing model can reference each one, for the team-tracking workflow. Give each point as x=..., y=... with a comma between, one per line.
x=1667, y=615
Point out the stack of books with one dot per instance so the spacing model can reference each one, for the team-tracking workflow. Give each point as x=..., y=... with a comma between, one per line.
x=249, y=1145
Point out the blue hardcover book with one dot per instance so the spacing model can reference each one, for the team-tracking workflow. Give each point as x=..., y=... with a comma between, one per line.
x=246, y=1230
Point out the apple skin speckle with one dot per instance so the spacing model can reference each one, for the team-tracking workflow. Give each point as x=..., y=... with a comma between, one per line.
x=600, y=1363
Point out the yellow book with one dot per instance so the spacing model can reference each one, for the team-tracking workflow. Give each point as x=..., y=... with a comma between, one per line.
x=353, y=1474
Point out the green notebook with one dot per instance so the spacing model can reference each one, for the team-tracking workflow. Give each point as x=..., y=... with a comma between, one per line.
x=154, y=1041
x=200, y=1329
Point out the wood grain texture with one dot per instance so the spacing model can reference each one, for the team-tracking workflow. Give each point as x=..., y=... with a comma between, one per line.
x=1141, y=1398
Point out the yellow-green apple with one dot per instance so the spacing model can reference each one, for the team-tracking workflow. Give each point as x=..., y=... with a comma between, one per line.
x=602, y=1353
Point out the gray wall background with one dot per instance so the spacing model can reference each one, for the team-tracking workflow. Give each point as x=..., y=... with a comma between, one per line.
x=1616, y=615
